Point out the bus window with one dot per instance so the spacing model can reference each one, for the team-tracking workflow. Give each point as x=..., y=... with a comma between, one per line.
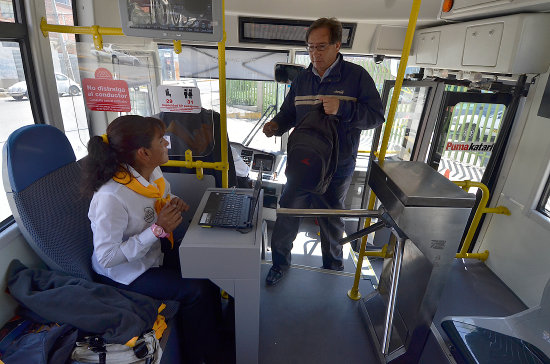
x=405, y=124
x=544, y=203
x=6, y=12
x=14, y=101
x=67, y=75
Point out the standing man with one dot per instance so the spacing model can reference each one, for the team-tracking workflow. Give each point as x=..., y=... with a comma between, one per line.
x=347, y=91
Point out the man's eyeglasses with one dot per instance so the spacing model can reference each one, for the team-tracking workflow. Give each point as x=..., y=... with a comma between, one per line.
x=320, y=47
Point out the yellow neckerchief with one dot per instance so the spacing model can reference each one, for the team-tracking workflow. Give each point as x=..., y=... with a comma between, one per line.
x=150, y=191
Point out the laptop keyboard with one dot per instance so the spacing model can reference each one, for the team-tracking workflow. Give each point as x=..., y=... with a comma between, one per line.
x=230, y=211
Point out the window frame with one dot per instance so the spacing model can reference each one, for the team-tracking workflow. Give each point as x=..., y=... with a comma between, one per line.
x=18, y=32
x=541, y=205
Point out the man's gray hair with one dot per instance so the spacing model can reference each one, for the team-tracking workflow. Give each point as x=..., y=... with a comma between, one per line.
x=332, y=24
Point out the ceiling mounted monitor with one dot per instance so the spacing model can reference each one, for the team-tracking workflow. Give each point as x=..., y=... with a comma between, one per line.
x=186, y=20
x=284, y=31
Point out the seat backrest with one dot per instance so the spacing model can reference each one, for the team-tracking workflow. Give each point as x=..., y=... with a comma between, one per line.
x=190, y=189
x=207, y=154
x=42, y=182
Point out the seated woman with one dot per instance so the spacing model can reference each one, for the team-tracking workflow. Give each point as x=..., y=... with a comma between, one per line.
x=135, y=224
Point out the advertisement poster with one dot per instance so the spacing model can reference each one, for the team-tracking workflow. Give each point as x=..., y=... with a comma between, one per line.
x=102, y=93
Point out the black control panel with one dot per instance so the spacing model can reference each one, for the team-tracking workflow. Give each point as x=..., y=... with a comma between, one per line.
x=246, y=155
x=253, y=158
x=266, y=159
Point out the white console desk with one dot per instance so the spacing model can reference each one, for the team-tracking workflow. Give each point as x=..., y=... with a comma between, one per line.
x=231, y=260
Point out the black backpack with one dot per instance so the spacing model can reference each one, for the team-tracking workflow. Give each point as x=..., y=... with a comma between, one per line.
x=313, y=151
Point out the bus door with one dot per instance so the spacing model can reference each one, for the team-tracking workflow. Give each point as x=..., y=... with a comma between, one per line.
x=468, y=139
x=468, y=127
x=414, y=107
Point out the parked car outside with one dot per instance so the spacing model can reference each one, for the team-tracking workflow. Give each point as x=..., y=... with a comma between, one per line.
x=64, y=86
x=114, y=54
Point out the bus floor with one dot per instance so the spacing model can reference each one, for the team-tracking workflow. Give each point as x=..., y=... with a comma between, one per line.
x=308, y=318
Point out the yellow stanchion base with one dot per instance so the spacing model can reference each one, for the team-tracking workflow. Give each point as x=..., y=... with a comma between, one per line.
x=354, y=295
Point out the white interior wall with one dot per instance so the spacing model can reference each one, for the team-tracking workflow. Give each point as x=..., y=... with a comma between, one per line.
x=519, y=247
x=12, y=246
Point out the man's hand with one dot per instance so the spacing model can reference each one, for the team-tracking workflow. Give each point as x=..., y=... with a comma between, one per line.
x=330, y=104
x=270, y=128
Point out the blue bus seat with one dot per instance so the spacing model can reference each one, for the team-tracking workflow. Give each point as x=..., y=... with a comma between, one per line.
x=520, y=338
x=42, y=182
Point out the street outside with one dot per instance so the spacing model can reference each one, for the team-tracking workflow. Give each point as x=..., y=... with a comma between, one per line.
x=16, y=114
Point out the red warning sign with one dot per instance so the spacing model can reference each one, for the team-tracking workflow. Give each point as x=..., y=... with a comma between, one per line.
x=102, y=93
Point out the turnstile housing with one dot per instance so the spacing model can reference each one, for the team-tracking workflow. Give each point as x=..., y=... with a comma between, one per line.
x=432, y=212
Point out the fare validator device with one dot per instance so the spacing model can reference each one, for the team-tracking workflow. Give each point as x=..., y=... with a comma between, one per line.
x=187, y=20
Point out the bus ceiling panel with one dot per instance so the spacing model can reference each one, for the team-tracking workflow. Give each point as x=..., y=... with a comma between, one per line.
x=475, y=9
x=381, y=11
x=515, y=44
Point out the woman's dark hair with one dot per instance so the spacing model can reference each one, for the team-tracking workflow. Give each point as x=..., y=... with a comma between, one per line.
x=126, y=134
x=332, y=24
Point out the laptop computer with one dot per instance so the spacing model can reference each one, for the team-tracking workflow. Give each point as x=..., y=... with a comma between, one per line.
x=230, y=209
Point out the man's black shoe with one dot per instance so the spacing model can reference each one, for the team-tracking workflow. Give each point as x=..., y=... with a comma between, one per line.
x=274, y=276
x=338, y=269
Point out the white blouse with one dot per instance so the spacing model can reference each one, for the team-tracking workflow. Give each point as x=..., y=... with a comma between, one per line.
x=124, y=245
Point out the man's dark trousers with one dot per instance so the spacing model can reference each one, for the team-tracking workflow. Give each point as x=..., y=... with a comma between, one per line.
x=332, y=229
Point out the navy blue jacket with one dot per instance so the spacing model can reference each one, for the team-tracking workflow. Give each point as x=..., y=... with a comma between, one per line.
x=360, y=106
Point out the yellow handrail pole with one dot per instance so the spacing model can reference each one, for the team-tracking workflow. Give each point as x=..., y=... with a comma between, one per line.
x=177, y=46
x=223, y=111
x=481, y=209
x=353, y=293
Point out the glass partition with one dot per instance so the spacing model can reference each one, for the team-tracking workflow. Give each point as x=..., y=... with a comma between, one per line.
x=252, y=97
x=406, y=122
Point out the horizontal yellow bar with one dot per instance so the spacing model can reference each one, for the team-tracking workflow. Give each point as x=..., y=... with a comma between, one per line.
x=497, y=210
x=481, y=256
x=368, y=151
x=381, y=254
x=45, y=27
x=196, y=164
